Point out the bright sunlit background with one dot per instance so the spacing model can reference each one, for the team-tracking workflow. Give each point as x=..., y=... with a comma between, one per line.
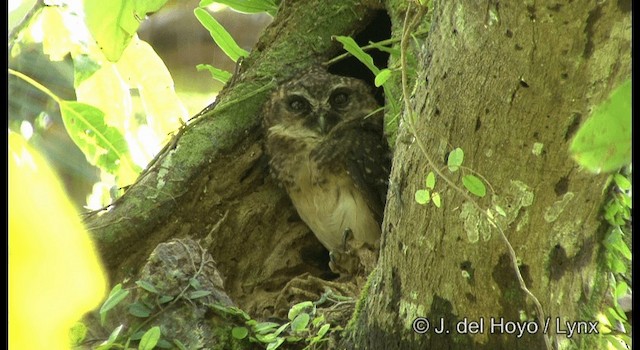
x=148, y=107
x=54, y=272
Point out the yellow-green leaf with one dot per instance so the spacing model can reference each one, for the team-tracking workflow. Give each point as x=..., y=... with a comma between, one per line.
x=455, y=159
x=218, y=74
x=222, y=38
x=436, y=199
x=239, y=332
x=422, y=197
x=603, y=142
x=246, y=6
x=103, y=145
x=56, y=41
x=382, y=77
x=622, y=182
x=113, y=23
x=142, y=69
x=430, y=182
x=353, y=48
x=150, y=339
x=474, y=185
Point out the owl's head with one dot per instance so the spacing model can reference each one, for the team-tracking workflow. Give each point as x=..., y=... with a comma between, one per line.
x=315, y=102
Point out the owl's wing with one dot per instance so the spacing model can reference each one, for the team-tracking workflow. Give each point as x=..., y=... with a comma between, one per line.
x=358, y=147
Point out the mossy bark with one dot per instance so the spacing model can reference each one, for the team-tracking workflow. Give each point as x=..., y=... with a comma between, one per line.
x=509, y=83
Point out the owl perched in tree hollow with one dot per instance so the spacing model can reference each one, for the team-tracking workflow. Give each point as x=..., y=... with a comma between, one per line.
x=325, y=142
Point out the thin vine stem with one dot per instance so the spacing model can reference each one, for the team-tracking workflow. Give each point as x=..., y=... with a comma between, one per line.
x=410, y=113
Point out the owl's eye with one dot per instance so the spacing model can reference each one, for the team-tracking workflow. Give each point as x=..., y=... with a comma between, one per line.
x=339, y=99
x=297, y=104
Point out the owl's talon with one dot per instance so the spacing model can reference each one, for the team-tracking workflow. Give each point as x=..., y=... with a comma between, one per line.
x=347, y=234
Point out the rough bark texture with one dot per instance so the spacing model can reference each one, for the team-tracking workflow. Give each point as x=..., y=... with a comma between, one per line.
x=509, y=83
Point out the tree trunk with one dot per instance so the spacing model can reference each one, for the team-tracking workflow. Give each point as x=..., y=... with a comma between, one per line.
x=210, y=184
x=509, y=83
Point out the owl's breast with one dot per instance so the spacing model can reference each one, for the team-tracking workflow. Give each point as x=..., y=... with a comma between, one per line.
x=329, y=203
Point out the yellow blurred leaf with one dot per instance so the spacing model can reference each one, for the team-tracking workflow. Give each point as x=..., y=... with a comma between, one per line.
x=56, y=41
x=142, y=69
x=106, y=90
x=54, y=273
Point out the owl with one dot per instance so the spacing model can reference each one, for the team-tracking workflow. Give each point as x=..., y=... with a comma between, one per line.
x=326, y=147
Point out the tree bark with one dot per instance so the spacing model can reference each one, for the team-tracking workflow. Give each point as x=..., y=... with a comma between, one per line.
x=509, y=83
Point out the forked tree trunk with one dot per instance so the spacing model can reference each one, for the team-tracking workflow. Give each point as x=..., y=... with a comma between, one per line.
x=509, y=83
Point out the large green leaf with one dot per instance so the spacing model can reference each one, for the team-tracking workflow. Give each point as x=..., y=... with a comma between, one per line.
x=222, y=38
x=150, y=339
x=353, y=48
x=113, y=23
x=603, y=143
x=246, y=6
x=103, y=145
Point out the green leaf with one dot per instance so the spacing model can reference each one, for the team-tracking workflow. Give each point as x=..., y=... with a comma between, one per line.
x=83, y=67
x=603, y=143
x=239, y=332
x=323, y=330
x=422, y=196
x=77, y=333
x=150, y=339
x=138, y=309
x=179, y=344
x=436, y=199
x=500, y=210
x=193, y=282
x=622, y=182
x=352, y=47
x=474, y=185
x=318, y=320
x=382, y=77
x=621, y=289
x=112, y=339
x=281, y=329
x=276, y=344
x=164, y=299
x=164, y=344
x=222, y=38
x=246, y=6
x=113, y=23
x=267, y=338
x=430, y=182
x=198, y=294
x=298, y=308
x=103, y=145
x=147, y=286
x=116, y=295
x=301, y=322
x=617, y=243
x=218, y=74
x=265, y=327
x=454, y=161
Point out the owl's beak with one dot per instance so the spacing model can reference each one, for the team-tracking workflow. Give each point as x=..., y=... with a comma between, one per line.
x=322, y=123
